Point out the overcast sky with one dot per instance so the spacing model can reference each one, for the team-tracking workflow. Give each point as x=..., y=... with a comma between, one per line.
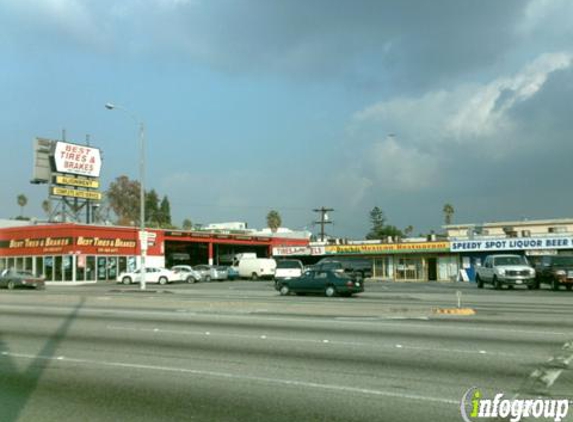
x=252, y=105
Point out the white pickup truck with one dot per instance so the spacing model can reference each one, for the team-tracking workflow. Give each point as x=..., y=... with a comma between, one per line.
x=508, y=270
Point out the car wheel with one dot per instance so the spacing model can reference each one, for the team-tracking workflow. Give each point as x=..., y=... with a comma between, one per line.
x=496, y=284
x=10, y=285
x=207, y=278
x=330, y=291
x=190, y=279
x=126, y=280
x=254, y=277
x=555, y=285
x=162, y=280
x=479, y=282
x=284, y=290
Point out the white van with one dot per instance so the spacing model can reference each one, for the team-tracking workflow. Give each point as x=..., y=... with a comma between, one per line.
x=255, y=268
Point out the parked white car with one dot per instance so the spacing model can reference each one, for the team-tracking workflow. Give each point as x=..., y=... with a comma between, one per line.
x=211, y=272
x=152, y=275
x=186, y=273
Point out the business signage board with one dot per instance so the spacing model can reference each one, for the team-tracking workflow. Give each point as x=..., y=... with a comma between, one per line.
x=298, y=250
x=77, y=159
x=389, y=248
x=513, y=244
x=74, y=193
x=74, y=181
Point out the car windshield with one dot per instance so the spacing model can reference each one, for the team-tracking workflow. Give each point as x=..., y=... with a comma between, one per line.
x=510, y=260
x=289, y=264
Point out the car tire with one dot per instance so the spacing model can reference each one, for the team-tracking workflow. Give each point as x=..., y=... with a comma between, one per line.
x=284, y=290
x=126, y=280
x=254, y=277
x=496, y=283
x=190, y=279
x=207, y=278
x=10, y=285
x=163, y=281
x=555, y=285
x=479, y=282
x=330, y=291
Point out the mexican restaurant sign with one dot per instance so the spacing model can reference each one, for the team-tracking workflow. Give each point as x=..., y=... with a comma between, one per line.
x=389, y=248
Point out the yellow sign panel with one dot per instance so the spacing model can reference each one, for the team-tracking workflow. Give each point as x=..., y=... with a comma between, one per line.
x=74, y=181
x=389, y=248
x=83, y=194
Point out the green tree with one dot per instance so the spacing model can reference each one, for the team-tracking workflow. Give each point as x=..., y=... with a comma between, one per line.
x=448, y=213
x=380, y=229
x=22, y=202
x=123, y=198
x=409, y=230
x=187, y=224
x=274, y=220
x=152, y=214
x=165, y=213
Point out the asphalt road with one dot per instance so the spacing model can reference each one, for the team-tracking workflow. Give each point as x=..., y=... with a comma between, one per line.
x=237, y=351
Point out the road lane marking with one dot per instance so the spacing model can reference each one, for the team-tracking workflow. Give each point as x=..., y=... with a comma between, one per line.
x=238, y=377
x=313, y=341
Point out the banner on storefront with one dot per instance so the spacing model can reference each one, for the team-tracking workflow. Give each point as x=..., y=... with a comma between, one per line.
x=388, y=248
x=298, y=250
x=512, y=244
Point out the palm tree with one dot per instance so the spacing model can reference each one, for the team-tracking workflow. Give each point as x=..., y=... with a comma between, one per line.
x=22, y=202
x=274, y=220
x=448, y=213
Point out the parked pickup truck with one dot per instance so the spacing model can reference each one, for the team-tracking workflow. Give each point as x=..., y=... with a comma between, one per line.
x=508, y=270
x=554, y=270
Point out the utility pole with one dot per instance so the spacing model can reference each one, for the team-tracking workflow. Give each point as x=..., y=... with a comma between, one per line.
x=323, y=219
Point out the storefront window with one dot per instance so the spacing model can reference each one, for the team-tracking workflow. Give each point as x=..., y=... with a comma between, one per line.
x=28, y=264
x=448, y=268
x=58, y=274
x=111, y=268
x=49, y=267
x=101, y=268
x=19, y=264
x=122, y=264
x=2, y=264
x=410, y=269
x=384, y=268
x=39, y=270
x=10, y=263
x=90, y=268
x=68, y=268
x=131, y=264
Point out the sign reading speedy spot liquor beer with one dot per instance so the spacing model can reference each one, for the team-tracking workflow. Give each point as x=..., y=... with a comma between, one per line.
x=77, y=159
x=513, y=244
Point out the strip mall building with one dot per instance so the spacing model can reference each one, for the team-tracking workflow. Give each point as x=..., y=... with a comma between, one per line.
x=75, y=253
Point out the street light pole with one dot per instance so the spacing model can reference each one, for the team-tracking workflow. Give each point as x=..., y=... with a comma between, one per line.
x=142, y=232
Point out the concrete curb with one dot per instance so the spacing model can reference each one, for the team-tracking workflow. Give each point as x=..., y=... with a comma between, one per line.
x=453, y=311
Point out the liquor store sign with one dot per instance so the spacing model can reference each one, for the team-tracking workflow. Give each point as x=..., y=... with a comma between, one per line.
x=514, y=244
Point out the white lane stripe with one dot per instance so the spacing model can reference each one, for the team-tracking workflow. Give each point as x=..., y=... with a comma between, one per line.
x=324, y=341
x=380, y=321
x=228, y=375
